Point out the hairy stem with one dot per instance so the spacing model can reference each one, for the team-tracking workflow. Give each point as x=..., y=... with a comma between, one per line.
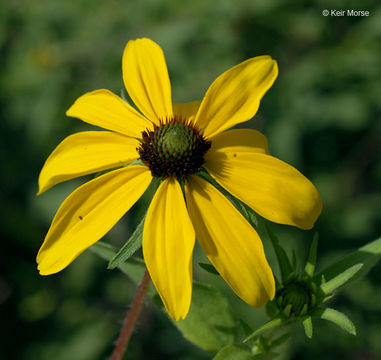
x=131, y=318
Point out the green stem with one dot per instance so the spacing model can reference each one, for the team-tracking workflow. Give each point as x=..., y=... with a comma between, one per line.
x=131, y=318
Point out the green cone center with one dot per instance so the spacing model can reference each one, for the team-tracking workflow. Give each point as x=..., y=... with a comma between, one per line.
x=174, y=148
x=176, y=139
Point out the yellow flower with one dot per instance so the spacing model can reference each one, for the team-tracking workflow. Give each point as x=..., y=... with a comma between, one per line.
x=175, y=142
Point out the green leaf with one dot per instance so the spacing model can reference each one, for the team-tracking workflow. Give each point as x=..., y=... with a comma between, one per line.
x=134, y=268
x=135, y=162
x=331, y=285
x=234, y=352
x=245, y=210
x=129, y=248
x=209, y=323
x=284, y=262
x=307, y=324
x=123, y=96
x=277, y=321
x=311, y=262
x=209, y=268
x=287, y=310
x=247, y=330
x=336, y=317
x=367, y=255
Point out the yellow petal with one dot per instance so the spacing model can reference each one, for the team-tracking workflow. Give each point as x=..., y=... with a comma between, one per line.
x=235, y=95
x=85, y=153
x=186, y=111
x=230, y=243
x=274, y=189
x=146, y=79
x=88, y=214
x=168, y=241
x=105, y=109
x=240, y=140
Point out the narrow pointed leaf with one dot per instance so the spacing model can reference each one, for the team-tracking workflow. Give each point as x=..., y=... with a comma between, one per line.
x=133, y=244
x=336, y=317
x=246, y=327
x=283, y=260
x=234, y=352
x=327, y=298
x=367, y=255
x=277, y=321
x=134, y=268
x=307, y=324
x=313, y=299
x=287, y=310
x=245, y=210
x=209, y=268
x=331, y=285
x=304, y=310
x=123, y=96
x=311, y=262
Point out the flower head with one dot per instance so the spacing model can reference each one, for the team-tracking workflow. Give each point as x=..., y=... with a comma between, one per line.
x=174, y=148
x=174, y=142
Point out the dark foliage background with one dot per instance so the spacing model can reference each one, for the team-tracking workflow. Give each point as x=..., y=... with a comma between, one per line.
x=322, y=116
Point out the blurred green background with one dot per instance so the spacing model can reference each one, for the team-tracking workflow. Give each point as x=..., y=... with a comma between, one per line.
x=322, y=115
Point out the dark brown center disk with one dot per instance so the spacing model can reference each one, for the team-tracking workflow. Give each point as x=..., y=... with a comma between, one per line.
x=173, y=148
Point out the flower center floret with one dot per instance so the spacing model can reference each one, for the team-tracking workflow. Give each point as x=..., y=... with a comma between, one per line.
x=173, y=148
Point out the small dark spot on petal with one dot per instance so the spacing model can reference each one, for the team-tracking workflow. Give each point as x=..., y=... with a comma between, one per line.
x=80, y=217
x=235, y=155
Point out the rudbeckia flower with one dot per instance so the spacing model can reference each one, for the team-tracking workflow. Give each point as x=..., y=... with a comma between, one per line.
x=174, y=142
